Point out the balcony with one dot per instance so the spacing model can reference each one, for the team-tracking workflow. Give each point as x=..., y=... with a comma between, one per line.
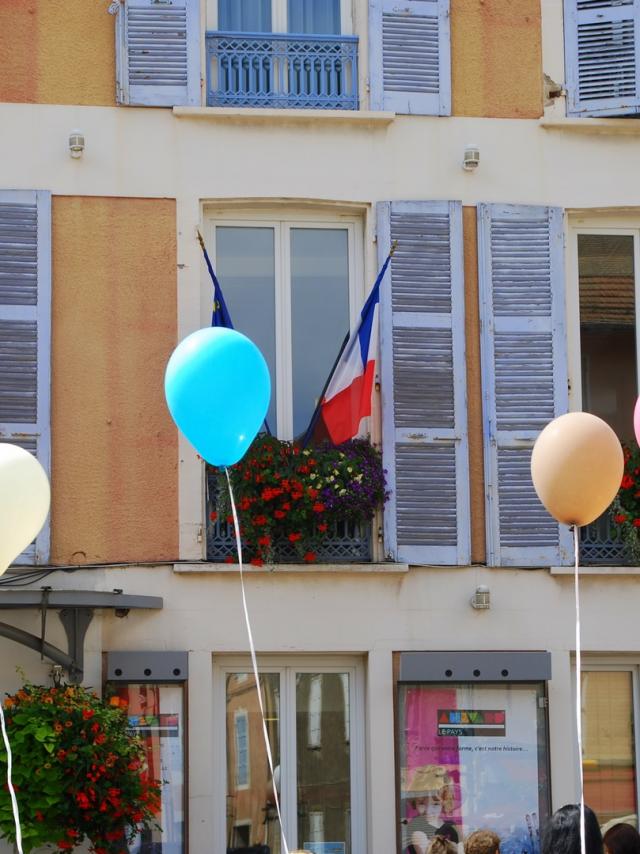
x=282, y=70
x=345, y=543
x=602, y=545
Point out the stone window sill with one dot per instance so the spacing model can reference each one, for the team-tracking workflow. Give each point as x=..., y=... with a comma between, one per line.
x=259, y=115
x=619, y=127
x=596, y=570
x=293, y=568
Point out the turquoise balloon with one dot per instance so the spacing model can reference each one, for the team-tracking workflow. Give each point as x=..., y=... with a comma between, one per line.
x=218, y=388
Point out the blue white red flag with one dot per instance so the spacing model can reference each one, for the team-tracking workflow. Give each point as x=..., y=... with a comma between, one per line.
x=347, y=397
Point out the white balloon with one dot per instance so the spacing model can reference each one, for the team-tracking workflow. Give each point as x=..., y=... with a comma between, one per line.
x=25, y=496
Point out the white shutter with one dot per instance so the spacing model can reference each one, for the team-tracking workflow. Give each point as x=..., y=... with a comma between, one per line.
x=158, y=52
x=524, y=374
x=602, y=57
x=25, y=332
x=423, y=383
x=410, y=56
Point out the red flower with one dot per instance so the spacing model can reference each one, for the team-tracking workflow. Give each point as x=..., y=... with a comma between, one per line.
x=322, y=527
x=286, y=506
x=87, y=713
x=260, y=520
x=304, y=469
x=100, y=738
x=229, y=559
x=62, y=755
x=636, y=523
x=312, y=493
x=293, y=538
x=620, y=518
x=257, y=561
x=213, y=515
x=83, y=801
x=627, y=482
x=95, y=727
x=39, y=816
x=318, y=507
x=310, y=557
x=230, y=519
x=245, y=503
x=264, y=541
x=296, y=496
x=279, y=514
x=65, y=845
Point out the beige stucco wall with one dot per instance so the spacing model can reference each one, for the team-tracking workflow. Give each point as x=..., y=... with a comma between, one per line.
x=496, y=58
x=114, y=446
x=57, y=52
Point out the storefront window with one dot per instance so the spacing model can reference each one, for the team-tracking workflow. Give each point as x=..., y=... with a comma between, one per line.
x=608, y=744
x=156, y=714
x=473, y=756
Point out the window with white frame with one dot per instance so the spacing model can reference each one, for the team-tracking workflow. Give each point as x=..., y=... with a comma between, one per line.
x=293, y=286
x=320, y=785
x=308, y=17
x=609, y=741
x=602, y=324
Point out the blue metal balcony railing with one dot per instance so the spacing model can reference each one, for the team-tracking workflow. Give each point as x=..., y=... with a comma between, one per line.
x=344, y=543
x=282, y=70
x=602, y=545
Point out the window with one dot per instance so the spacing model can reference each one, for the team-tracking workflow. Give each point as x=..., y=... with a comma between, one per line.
x=309, y=17
x=601, y=57
x=241, y=732
x=292, y=286
x=609, y=742
x=473, y=756
x=320, y=784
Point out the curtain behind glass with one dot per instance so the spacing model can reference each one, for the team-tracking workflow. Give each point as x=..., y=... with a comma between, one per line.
x=245, y=16
x=314, y=17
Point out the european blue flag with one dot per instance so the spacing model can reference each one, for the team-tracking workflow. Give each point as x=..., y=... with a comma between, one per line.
x=220, y=315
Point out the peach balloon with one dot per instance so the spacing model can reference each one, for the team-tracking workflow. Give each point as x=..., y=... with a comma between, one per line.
x=576, y=467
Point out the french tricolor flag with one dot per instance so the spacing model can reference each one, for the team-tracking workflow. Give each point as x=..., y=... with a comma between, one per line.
x=347, y=397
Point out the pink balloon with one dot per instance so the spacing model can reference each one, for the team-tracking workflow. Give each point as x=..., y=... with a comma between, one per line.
x=636, y=420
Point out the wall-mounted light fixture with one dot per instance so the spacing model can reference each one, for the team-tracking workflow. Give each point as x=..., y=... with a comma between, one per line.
x=471, y=158
x=481, y=599
x=76, y=144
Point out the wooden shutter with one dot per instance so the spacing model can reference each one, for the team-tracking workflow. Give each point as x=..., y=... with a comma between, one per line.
x=158, y=52
x=524, y=374
x=25, y=332
x=423, y=383
x=410, y=56
x=602, y=57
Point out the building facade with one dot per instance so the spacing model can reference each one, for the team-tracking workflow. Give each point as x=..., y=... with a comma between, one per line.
x=302, y=139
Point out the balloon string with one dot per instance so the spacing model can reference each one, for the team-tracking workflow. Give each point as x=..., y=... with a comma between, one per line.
x=12, y=792
x=576, y=577
x=254, y=663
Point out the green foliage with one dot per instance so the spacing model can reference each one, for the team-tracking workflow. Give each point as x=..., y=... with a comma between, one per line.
x=287, y=494
x=78, y=771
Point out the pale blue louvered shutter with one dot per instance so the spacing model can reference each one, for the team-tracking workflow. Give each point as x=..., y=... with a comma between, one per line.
x=410, y=56
x=602, y=57
x=524, y=374
x=158, y=52
x=25, y=332
x=423, y=383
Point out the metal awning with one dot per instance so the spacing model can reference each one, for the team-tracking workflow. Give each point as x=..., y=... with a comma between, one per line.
x=75, y=610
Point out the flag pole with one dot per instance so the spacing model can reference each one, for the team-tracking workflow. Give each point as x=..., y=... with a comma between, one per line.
x=316, y=411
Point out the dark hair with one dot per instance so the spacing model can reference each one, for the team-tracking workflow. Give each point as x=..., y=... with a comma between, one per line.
x=449, y=832
x=622, y=839
x=562, y=833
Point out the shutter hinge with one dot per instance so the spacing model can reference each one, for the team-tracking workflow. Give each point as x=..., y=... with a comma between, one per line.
x=114, y=7
x=543, y=702
x=199, y=535
x=367, y=85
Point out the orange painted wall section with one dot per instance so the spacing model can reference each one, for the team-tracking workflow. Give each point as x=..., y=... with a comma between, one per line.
x=474, y=385
x=496, y=58
x=57, y=52
x=114, y=446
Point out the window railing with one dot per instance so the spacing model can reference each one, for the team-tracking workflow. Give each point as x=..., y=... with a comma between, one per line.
x=282, y=70
x=602, y=545
x=345, y=542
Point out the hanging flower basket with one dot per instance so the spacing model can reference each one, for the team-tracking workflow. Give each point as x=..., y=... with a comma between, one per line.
x=78, y=771
x=289, y=495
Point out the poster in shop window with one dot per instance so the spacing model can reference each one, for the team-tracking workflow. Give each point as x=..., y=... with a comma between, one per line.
x=473, y=756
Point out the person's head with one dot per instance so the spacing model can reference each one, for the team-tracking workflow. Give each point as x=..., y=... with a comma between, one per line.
x=622, y=839
x=449, y=832
x=562, y=833
x=482, y=842
x=440, y=845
